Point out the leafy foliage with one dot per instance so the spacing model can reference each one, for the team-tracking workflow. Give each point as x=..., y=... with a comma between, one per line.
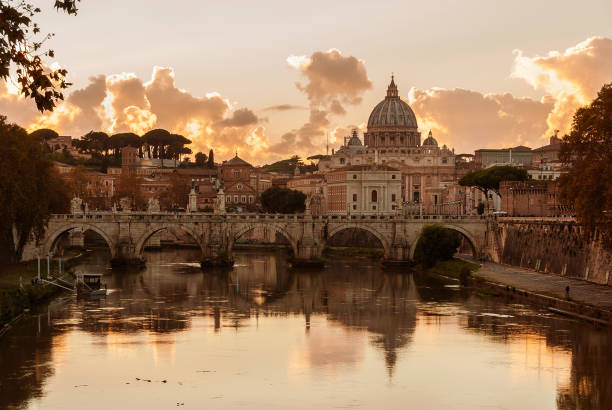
x=21, y=48
x=130, y=185
x=588, y=152
x=211, y=159
x=200, y=159
x=283, y=200
x=287, y=166
x=31, y=189
x=488, y=179
x=177, y=194
x=436, y=243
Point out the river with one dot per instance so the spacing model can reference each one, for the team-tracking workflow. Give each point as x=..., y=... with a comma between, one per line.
x=262, y=336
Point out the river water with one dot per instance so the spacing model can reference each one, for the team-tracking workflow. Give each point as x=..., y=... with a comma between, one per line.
x=262, y=336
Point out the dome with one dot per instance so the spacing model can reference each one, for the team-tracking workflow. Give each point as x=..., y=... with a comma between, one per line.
x=392, y=112
x=354, y=141
x=430, y=141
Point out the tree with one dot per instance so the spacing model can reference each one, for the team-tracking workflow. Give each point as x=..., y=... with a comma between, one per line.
x=129, y=186
x=211, y=159
x=21, y=51
x=31, y=190
x=200, y=159
x=436, y=243
x=93, y=143
x=45, y=134
x=124, y=139
x=488, y=179
x=587, y=150
x=79, y=182
x=177, y=194
x=283, y=200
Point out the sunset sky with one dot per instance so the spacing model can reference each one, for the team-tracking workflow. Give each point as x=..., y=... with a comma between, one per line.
x=270, y=78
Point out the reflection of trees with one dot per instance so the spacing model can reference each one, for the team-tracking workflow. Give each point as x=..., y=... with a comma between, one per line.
x=25, y=361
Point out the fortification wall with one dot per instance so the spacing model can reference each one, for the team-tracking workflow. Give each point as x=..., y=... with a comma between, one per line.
x=555, y=246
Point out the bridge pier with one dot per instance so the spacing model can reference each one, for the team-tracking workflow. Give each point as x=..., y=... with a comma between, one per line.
x=126, y=255
x=216, y=256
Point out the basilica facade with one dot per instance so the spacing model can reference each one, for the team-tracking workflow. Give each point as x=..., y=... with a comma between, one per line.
x=393, y=139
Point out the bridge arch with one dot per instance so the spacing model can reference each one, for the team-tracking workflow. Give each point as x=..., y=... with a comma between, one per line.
x=383, y=240
x=140, y=243
x=242, y=229
x=51, y=239
x=466, y=234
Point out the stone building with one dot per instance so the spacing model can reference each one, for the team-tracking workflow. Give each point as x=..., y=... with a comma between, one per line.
x=392, y=138
x=532, y=198
x=362, y=189
x=242, y=183
x=517, y=156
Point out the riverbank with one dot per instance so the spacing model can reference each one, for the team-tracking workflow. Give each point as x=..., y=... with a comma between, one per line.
x=566, y=296
x=18, y=292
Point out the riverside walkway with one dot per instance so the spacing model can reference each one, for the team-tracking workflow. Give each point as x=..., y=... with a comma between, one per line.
x=598, y=296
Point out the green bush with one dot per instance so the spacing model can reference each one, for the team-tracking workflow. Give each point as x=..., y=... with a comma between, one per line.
x=436, y=243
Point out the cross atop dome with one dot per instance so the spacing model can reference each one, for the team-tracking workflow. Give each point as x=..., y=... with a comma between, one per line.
x=392, y=89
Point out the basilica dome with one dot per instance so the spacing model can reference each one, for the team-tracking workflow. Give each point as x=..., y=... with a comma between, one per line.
x=392, y=112
x=392, y=123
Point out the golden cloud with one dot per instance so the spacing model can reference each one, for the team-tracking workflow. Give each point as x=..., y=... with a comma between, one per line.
x=572, y=77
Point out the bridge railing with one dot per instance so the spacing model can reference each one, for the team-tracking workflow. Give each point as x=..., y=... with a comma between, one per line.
x=97, y=217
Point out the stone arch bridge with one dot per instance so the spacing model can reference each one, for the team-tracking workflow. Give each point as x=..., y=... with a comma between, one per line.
x=127, y=233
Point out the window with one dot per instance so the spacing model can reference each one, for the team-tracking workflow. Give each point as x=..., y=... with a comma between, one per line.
x=229, y=199
x=374, y=207
x=342, y=160
x=354, y=197
x=392, y=197
x=393, y=176
x=243, y=199
x=236, y=173
x=354, y=176
x=354, y=207
x=236, y=199
x=374, y=196
x=444, y=160
x=415, y=196
x=239, y=186
x=251, y=199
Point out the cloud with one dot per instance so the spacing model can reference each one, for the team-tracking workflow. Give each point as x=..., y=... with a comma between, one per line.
x=331, y=81
x=467, y=119
x=284, y=107
x=572, y=77
x=123, y=102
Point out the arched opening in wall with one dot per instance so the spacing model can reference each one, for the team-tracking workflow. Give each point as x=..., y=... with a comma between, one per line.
x=78, y=242
x=262, y=237
x=353, y=241
x=170, y=245
x=438, y=242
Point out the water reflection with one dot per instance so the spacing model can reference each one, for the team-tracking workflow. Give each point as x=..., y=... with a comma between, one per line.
x=267, y=336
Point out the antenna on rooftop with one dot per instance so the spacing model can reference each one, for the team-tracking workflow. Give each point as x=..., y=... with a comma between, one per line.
x=327, y=143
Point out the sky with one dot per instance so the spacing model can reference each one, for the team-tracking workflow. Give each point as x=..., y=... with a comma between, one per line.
x=270, y=79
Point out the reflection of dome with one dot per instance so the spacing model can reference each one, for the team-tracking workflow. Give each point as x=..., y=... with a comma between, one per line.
x=430, y=140
x=392, y=112
x=392, y=123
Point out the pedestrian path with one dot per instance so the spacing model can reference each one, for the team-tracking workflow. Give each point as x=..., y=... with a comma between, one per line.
x=549, y=284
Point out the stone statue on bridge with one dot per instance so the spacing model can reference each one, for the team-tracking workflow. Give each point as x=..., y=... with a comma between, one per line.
x=153, y=205
x=76, y=205
x=220, y=202
x=126, y=204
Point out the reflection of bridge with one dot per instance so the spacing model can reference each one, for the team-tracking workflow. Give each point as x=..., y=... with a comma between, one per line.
x=127, y=233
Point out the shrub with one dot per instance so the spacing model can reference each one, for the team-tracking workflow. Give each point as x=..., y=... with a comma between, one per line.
x=436, y=243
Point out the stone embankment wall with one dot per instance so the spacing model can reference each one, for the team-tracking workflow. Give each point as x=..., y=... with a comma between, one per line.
x=552, y=245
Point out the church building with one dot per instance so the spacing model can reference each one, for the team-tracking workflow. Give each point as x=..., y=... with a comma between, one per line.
x=393, y=139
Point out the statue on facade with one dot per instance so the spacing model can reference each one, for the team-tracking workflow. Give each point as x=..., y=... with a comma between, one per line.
x=153, y=205
x=308, y=202
x=76, y=205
